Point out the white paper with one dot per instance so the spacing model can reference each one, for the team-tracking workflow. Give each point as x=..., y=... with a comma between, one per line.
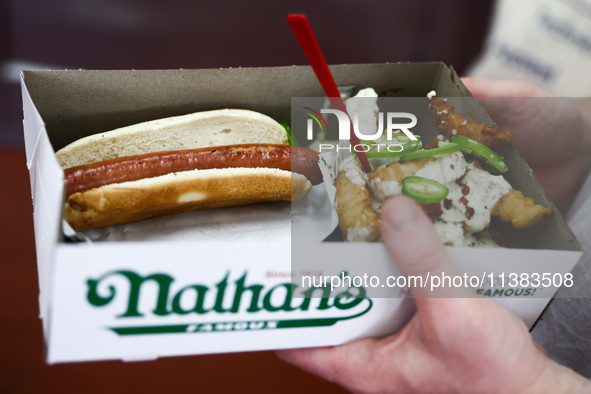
x=311, y=218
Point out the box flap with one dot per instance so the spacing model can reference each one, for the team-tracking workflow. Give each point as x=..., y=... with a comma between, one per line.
x=46, y=187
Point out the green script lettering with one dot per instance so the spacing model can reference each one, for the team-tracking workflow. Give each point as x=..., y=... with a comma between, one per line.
x=285, y=306
x=308, y=297
x=192, y=298
x=240, y=289
x=347, y=295
x=200, y=292
x=219, y=300
x=135, y=283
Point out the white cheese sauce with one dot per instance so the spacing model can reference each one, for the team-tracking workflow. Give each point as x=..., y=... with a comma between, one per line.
x=353, y=171
x=471, y=203
x=358, y=234
x=363, y=108
x=445, y=169
x=485, y=191
x=450, y=233
x=384, y=189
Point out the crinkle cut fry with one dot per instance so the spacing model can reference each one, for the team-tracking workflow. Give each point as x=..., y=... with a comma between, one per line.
x=357, y=219
x=520, y=211
x=450, y=123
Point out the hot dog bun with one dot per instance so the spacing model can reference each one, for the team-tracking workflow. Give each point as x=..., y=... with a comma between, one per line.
x=196, y=130
x=176, y=192
x=179, y=192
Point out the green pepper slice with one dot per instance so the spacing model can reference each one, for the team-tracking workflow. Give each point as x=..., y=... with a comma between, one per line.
x=291, y=139
x=492, y=160
x=379, y=149
x=423, y=190
x=442, y=150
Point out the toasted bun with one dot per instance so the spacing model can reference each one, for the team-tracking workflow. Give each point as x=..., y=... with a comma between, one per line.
x=179, y=192
x=197, y=130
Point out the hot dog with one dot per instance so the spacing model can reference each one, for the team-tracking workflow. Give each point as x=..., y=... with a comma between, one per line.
x=182, y=163
x=149, y=165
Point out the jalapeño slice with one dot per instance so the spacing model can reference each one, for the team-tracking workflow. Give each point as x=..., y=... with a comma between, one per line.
x=386, y=149
x=482, y=152
x=423, y=190
x=422, y=153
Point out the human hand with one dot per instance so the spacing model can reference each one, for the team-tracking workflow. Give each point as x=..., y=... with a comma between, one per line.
x=553, y=134
x=464, y=344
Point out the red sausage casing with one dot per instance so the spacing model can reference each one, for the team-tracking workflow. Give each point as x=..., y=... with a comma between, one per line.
x=125, y=169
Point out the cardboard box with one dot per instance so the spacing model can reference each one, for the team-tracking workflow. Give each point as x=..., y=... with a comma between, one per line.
x=141, y=300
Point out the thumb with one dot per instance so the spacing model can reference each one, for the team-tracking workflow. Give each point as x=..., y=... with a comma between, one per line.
x=415, y=247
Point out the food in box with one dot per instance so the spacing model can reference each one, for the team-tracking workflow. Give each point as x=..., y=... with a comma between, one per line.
x=208, y=288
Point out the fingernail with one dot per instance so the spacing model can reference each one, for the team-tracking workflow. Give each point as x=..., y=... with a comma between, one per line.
x=401, y=216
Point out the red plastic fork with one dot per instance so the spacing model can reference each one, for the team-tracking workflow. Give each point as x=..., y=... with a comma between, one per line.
x=303, y=32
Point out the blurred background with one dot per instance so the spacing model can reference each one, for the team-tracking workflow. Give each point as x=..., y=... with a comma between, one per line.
x=155, y=34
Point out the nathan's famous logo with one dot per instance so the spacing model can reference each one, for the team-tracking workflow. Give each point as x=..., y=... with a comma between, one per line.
x=397, y=135
x=223, y=298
